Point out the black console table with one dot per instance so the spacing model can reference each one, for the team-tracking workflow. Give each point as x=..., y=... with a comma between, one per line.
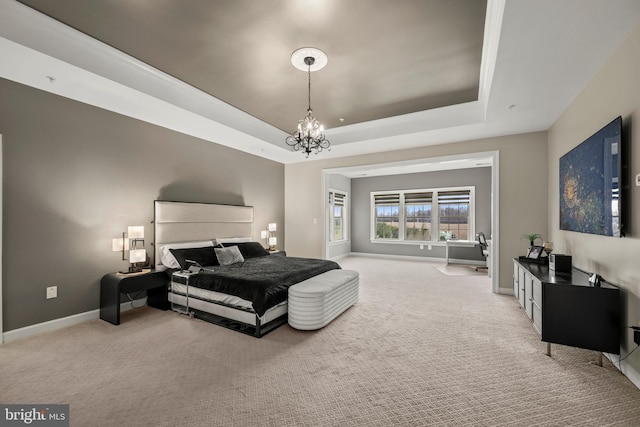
x=114, y=284
x=566, y=309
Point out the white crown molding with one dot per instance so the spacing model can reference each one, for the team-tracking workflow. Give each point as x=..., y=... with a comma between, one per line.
x=492, y=30
x=92, y=72
x=414, y=128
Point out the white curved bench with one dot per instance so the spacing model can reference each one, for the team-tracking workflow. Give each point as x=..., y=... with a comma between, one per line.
x=315, y=302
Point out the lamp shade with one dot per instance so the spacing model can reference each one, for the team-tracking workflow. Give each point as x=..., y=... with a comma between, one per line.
x=135, y=232
x=272, y=226
x=116, y=244
x=264, y=234
x=137, y=255
x=273, y=241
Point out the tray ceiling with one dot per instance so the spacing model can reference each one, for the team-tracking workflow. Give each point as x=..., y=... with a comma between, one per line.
x=385, y=58
x=401, y=74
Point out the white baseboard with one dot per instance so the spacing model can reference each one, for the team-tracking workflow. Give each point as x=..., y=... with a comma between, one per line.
x=339, y=257
x=418, y=258
x=54, y=325
x=402, y=257
x=626, y=369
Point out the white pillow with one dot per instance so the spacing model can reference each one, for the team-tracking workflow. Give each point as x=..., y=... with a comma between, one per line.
x=233, y=240
x=167, y=258
x=230, y=255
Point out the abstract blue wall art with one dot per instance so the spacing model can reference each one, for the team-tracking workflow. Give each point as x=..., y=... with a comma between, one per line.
x=590, y=184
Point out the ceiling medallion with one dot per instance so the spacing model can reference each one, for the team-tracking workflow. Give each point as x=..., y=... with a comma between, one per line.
x=309, y=136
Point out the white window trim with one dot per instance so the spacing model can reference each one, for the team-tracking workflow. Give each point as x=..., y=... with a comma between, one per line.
x=345, y=217
x=435, y=215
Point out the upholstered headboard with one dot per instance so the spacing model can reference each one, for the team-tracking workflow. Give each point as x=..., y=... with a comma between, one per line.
x=185, y=222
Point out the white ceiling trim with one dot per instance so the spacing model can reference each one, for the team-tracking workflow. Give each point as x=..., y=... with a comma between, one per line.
x=92, y=72
x=541, y=69
x=86, y=70
x=417, y=124
x=452, y=162
x=492, y=30
x=35, y=68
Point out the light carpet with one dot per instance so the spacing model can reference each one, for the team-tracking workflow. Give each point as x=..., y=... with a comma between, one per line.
x=419, y=348
x=461, y=270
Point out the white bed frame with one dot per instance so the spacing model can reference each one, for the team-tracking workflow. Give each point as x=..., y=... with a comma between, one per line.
x=184, y=222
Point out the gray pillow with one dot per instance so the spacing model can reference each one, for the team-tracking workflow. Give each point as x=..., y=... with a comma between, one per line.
x=229, y=255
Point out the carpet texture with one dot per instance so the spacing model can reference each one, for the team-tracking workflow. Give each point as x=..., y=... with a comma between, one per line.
x=419, y=348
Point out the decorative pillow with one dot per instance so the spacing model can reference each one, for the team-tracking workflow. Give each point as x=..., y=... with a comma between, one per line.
x=249, y=249
x=167, y=258
x=230, y=255
x=232, y=239
x=204, y=256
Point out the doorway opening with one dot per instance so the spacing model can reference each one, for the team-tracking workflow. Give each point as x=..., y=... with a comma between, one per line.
x=341, y=180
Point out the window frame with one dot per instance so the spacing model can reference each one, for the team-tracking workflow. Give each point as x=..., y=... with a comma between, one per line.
x=374, y=222
x=418, y=198
x=435, y=214
x=345, y=217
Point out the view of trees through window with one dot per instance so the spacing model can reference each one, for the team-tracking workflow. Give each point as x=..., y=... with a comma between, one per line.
x=417, y=222
x=454, y=214
x=454, y=221
x=417, y=215
x=338, y=213
x=414, y=211
x=387, y=220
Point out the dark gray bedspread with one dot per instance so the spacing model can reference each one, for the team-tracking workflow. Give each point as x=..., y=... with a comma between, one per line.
x=262, y=280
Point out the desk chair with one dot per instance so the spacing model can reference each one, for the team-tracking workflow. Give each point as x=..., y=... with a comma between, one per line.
x=483, y=248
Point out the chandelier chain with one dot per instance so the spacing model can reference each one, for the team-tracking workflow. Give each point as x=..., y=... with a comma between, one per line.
x=309, y=74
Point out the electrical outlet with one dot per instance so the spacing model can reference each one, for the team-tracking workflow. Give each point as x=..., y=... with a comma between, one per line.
x=52, y=292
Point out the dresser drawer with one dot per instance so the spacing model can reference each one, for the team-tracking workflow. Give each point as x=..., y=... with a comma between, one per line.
x=537, y=292
x=537, y=318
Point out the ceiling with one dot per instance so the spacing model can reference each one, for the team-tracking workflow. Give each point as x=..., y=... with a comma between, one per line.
x=385, y=58
x=400, y=74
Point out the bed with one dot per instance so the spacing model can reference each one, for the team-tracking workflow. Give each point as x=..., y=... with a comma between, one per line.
x=249, y=294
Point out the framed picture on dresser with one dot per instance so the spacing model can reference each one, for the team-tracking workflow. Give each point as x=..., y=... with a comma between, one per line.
x=535, y=252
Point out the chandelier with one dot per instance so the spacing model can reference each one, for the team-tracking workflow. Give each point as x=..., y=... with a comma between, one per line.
x=309, y=136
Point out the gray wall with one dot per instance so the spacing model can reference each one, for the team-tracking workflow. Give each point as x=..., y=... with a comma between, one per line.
x=76, y=176
x=361, y=206
x=614, y=91
x=522, y=192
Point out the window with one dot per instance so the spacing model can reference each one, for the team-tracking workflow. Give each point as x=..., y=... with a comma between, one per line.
x=454, y=214
x=387, y=219
x=417, y=218
x=338, y=207
x=423, y=215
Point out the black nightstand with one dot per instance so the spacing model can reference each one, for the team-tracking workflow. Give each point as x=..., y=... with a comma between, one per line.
x=113, y=285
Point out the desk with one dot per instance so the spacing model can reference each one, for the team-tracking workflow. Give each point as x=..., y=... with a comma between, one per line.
x=113, y=285
x=459, y=243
